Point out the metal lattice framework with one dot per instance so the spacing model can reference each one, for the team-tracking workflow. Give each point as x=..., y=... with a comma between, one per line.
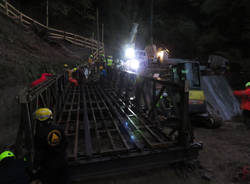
x=112, y=125
x=50, y=94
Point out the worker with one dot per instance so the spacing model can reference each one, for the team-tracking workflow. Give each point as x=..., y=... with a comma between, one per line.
x=102, y=71
x=65, y=73
x=41, y=79
x=109, y=61
x=162, y=100
x=245, y=103
x=13, y=170
x=102, y=57
x=50, y=149
x=74, y=73
x=90, y=60
x=71, y=79
x=164, y=105
x=109, y=64
x=103, y=75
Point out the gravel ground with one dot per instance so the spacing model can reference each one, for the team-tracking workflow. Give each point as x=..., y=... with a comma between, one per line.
x=226, y=151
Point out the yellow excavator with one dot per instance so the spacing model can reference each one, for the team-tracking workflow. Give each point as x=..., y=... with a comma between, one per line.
x=190, y=70
x=181, y=69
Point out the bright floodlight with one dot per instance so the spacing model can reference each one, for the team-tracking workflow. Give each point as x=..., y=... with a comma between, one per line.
x=130, y=53
x=134, y=64
x=160, y=55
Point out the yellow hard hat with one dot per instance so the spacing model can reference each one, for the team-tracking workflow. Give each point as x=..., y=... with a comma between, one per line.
x=43, y=114
x=65, y=65
x=6, y=154
x=100, y=67
x=247, y=84
x=74, y=69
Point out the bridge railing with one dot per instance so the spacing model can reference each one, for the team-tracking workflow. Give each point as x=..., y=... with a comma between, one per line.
x=15, y=14
x=143, y=93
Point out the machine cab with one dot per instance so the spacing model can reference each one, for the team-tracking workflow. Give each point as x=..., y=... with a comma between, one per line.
x=190, y=71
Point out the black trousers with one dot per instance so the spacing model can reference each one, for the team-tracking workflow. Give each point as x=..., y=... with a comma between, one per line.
x=55, y=170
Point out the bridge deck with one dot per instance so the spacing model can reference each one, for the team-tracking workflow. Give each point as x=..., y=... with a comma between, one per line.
x=106, y=133
x=97, y=122
x=107, y=130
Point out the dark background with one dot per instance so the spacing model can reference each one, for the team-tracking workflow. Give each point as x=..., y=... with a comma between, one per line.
x=188, y=28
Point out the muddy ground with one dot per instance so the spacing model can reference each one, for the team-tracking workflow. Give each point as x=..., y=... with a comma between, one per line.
x=226, y=150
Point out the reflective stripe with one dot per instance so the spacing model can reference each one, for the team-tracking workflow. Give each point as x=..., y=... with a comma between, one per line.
x=109, y=62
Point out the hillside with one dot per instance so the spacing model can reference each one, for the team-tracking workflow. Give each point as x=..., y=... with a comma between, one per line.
x=23, y=57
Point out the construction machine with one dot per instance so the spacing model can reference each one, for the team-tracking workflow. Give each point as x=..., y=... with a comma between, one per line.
x=180, y=70
x=190, y=71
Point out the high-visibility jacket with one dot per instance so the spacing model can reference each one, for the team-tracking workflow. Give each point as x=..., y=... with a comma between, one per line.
x=71, y=79
x=245, y=98
x=109, y=61
x=41, y=79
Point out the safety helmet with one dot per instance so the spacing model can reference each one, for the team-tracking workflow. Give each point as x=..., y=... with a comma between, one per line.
x=65, y=65
x=74, y=69
x=164, y=94
x=100, y=67
x=43, y=114
x=91, y=56
x=6, y=154
x=110, y=57
x=247, y=84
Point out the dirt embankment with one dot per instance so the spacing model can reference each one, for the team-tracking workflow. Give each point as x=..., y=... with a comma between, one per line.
x=23, y=57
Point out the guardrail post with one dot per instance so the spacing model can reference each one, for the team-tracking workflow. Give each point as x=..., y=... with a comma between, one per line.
x=6, y=7
x=95, y=45
x=184, y=132
x=21, y=17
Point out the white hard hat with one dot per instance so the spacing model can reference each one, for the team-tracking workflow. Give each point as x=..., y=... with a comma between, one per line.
x=164, y=94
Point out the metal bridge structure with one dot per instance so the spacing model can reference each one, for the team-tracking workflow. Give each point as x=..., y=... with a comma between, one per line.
x=111, y=122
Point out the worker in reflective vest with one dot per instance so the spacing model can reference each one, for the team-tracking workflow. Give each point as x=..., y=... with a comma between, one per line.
x=245, y=103
x=163, y=104
x=109, y=67
x=109, y=61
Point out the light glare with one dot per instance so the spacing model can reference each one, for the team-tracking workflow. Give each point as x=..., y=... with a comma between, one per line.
x=130, y=53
